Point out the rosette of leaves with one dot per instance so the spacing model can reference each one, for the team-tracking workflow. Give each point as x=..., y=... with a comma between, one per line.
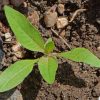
x=30, y=38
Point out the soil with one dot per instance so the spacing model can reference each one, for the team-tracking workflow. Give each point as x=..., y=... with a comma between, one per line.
x=74, y=81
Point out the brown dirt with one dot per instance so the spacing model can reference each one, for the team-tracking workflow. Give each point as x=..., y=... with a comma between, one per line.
x=74, y=81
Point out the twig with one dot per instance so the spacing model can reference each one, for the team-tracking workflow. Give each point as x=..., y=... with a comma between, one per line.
x=9, y=42
x=60, y=38
x=75, y=14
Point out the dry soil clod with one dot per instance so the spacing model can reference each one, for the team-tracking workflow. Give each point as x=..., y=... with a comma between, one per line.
x=19, y=54
x=62, y=34
x=61, y=22
x=18, y=50
x=16, y=47
x=50, y=18
x=98, y=48
x=8, y=36
x=34, y=18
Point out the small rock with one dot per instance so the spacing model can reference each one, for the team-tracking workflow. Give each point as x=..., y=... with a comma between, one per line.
x=62, y=22
x=16, y=2
x=15, y=58
x=16, y=47
x=60, y=8
x=98, y=48
x=19, y=54
x=5, y=29
x=50, y=18
x=33, y=18
x=62, y=34
x=8, y=36
x=18, y=51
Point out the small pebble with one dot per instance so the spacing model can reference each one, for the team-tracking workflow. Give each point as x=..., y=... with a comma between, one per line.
x=98, y=48
x=18, y=51
x=16, y=47
x=50, y=18
x=19, y=54
x=15, y=58
x=62, y=34
x=62, y=22
x=33, y=18
x=60, y=8
x=8, y=36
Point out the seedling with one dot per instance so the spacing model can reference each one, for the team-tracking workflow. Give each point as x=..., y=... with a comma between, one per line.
x=30, y=38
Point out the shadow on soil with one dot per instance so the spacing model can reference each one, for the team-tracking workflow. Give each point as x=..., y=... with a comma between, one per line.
x=66, y=76
x=29, y=88
x=31, y=85
x=93, y=13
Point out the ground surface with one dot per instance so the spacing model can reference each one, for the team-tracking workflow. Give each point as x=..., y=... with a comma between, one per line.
x=74, y=81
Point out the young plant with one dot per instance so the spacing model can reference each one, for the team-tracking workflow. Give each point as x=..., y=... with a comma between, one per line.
x=30, y=38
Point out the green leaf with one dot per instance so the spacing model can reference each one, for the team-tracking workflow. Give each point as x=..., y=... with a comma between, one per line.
x=49, y=46
x=82, y=55
x=48, y=67
x=15, y=74
x=26, y=34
